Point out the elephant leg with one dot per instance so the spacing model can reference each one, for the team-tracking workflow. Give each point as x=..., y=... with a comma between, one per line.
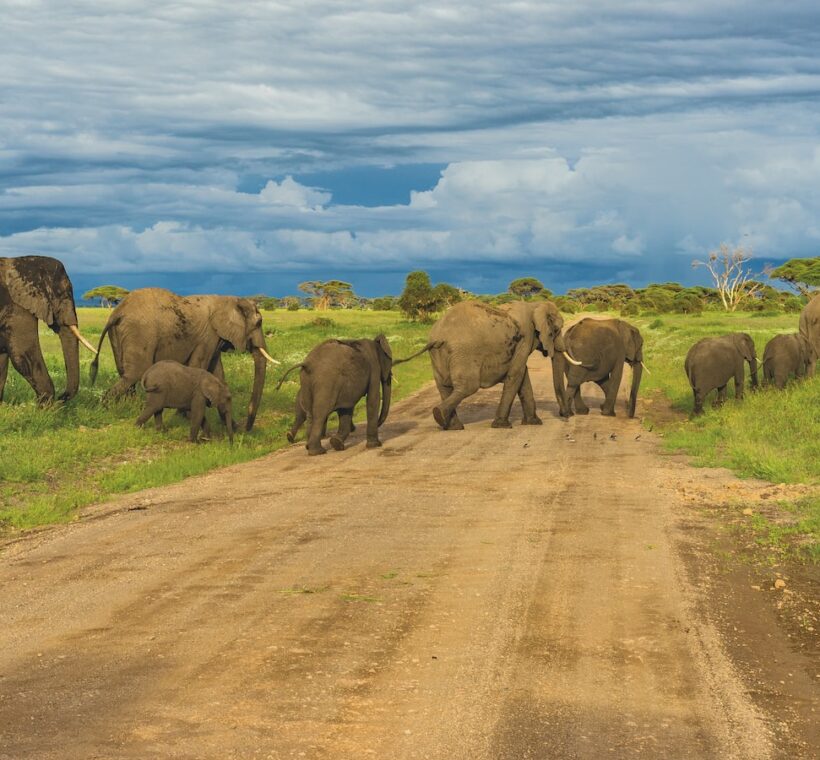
x=197, y=416
x=578, y=402
x=4, y=371
x=153, y=407
x=610, y=388
x=697, y=408
x=720, y=400
x=158, y=421
x=301, y=416
x=512, y=386
x=30, y=364
x=345, y=428
x=739, y=378
x=445, y=413
x=317, y=424
x=373, y=403
x=527, y=399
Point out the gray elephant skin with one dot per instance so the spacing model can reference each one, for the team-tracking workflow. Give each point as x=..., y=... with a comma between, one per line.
x=785, y=355
x=810, y=330
x=36, y=288
x=477, y=346
x=334, y=377
x=171, y=385
x=153, y=324
x=712, y=362
x=602, y=346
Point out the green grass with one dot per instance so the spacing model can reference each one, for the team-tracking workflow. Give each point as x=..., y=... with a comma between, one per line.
x=54, y=460
x=795, y=537
x=770, y=434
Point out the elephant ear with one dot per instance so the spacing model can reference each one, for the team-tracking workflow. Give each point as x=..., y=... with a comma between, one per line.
x=745, y=346
x=212, y=390
x=229, y=321
x=30, y=288
x=633, y=341
x=548, y=322
x=385, y=357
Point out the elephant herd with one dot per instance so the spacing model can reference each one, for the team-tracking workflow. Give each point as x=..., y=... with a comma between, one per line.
x=173, y=345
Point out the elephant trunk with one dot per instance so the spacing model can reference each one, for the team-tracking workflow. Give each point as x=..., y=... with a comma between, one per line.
x=387, y=392
x=71, y=356
x=228, y=415
x=637, y=372
x=259, y=367
x=558, y=368
x=753, y=371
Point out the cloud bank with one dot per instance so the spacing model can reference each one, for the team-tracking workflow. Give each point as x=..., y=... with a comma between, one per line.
x=195, y=137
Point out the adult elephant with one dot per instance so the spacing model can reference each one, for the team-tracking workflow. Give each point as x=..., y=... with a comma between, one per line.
x=810, y=329
x=153, y=324
x=712, y=362
x=36, y=288
x=602, y=346
x=477, y=346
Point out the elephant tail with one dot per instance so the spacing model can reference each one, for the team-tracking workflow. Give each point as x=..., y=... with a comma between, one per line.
x=287, y=372
x=95, y=362
x=431, y=345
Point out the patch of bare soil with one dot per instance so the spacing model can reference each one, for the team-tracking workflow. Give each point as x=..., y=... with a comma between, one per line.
x=481, y=594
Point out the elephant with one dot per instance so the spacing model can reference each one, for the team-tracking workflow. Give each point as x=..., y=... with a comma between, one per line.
x=152, y=324
x=171, y=385
x=810, y=330
x=712, y=362
x=602, y=345
x=786, y=355
x=334, y=376
x=477, y=346
x=36, y=288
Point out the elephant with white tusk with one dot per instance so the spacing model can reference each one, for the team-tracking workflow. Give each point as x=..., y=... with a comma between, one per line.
x=152, y=324
x=477, y=346
x=602, y=347
x=36, y=288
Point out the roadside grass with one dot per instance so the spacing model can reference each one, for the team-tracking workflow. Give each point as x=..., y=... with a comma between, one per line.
x=60, y=458
x=797, y=537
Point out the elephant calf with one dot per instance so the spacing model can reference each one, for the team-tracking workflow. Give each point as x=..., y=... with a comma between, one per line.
x=786, y=355
x=712, y=362
x=171, y=385
x=334, y=376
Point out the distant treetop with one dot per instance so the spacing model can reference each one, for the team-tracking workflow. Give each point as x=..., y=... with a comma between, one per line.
x=801, y=274
x=109, y=295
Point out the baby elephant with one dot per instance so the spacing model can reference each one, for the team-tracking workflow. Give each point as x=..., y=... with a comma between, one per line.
x=171, y=385
x=334, y=376
x=786, y=355
x=712, y=362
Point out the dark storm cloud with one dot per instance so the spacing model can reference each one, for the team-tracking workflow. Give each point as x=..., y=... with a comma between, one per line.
x=209, y=136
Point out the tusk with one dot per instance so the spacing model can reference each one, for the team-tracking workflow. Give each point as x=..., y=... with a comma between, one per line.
x=571, y=360
x=268, y=356
x=646, y=368
x=76, y=333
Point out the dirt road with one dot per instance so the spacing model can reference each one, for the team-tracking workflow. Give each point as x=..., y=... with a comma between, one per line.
x=477, y=594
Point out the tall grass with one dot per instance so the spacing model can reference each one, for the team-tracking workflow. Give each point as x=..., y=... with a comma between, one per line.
x=56, y=459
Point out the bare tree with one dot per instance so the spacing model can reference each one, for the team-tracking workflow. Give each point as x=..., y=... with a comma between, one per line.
x=734, y=280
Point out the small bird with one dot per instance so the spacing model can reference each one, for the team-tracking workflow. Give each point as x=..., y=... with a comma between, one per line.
x=595, y=436
x=638, y=437
x=612, y=436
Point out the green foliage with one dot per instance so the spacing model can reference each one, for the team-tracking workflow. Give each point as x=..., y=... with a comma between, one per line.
x=566, y=304
x=322, y=322
x=384, y=303
x=332, y=294
x=420, y=300
x=799, y=273
x=291, y=303
x=525, y=287
x=109, y=295
x=686, y=303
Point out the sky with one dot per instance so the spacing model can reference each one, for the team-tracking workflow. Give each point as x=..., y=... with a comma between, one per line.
x=217, y=146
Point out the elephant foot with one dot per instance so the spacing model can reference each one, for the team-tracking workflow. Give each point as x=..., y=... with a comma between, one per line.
x=534, y=420
x=455, y=424
x=317, y=452
x=352, y=428
x=373, y=444
x=290, y=436
x=608, y=412
x=438, y=416
x=337, y=443
x=582, y=410
x=500, y=423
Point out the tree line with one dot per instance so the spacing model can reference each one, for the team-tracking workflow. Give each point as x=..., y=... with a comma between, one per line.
x=735, y=287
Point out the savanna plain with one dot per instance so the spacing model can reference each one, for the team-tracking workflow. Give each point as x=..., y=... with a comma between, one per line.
x=591, y=587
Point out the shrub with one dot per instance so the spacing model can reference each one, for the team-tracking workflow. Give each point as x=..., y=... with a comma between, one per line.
x=322, y=322
x=567, y=305
x=630, y=309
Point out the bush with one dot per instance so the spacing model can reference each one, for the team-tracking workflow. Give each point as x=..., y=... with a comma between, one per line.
x=687, y=303
x=793, y=305
x=630, y=309
x=567, y=305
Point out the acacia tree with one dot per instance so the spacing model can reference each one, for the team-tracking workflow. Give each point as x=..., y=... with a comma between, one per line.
x=109, y=295
x=525, y=287
x=732, y=277
x=801, y=274
x=330, y=294
x=419, y=299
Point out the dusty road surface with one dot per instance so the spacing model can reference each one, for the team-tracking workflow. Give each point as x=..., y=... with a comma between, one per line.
x=478, y=594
